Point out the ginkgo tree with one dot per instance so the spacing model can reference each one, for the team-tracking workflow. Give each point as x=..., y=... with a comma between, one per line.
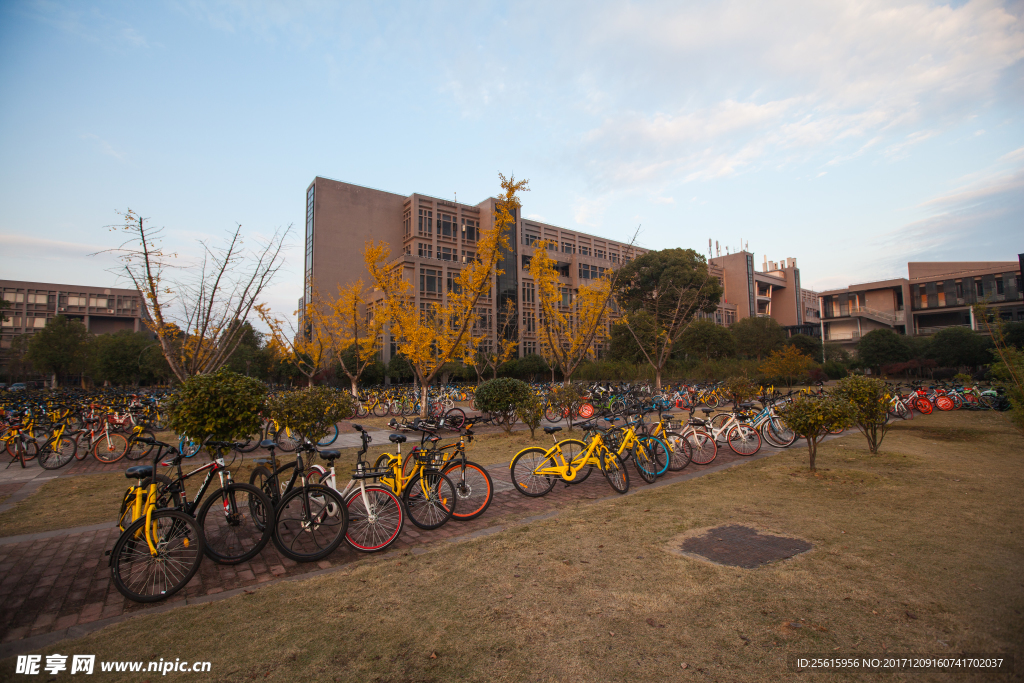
x=354, y=331
x=431, y=337
x=309, y=349
x=571, y=323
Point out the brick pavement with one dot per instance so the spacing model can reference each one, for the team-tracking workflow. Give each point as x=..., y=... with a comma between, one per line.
x=50, y=584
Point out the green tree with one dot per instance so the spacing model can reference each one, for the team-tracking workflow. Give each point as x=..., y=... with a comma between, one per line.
x=623, y=343
x=399, y=368
x=756, y=337
x=739, y=389
x=15, y=359
x=245, y=359
x=707, y=340
x=867, y=405
x=531, y=411
x=59, y=348
x=813, y=418
x=807, y=345
x=532, y=365
x=786, y=364
x=959, y=347
x=311, y=412
x=223, y=406
x=1009, y=366
x=671, y=286
x=882, y=347
x=1013, y=334
x=4, y=305
x=126, y=357
x=503, y=398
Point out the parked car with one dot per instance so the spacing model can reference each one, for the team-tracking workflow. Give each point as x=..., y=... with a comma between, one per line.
x=18, y=386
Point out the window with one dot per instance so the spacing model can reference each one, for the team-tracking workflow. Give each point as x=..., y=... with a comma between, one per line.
x=430, y=281
x=446, y=225
x=470, y=230
x=566, y=296
x=39, y=322
x=589, y=272
x=584, y=251
x=529, y=321
x=447, y=254
x=613, y=257
x=529, y=348
x=77, y=300
x=453, y=282
x=959, y=289
x=599, y=253
x=941, y=293
x=924, y=297
x=568, y=248
x=528, y=293
x=426, y=220
x=530, y=237
x=424, y=250
x=484, y=321
x=407, y=222
x=551, y=245
x=999, y=284
x=526, y=261
x=468, y=256
x=979, y=288
x=563, y=270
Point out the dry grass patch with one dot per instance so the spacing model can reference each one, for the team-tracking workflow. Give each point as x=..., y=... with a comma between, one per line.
x=927, y=565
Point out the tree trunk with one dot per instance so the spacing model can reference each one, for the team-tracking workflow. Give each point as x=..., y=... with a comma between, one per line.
x=424, y=395
x=355, y=389
x=812, y=447
x=53, y=381
x=657, y=379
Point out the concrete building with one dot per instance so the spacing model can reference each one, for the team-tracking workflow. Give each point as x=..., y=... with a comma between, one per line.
x=773, y=292
x=934, y=296
x=431, y=239
x=101, y=309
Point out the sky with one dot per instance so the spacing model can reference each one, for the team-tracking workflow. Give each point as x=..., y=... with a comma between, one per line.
x=855, y=136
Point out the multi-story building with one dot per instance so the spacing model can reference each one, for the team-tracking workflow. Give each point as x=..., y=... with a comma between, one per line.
x=431, y=239
x=934, y=296
x=773, y=292
x=101, y=309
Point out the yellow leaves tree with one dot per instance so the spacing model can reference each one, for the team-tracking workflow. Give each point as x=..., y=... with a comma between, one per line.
x=787, y=364
x=355, y=333
x=431, y=338
x=571, y=323
x=308, y=348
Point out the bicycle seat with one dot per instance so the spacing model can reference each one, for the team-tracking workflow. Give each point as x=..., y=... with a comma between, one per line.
x=746, y=405
x=667, y=416
x=707, y=411
x=397, y=438
x=330, y=456
x=358, y=428
x=552, y=430
x=139, y=472
x=269, y=443
x=612, y=419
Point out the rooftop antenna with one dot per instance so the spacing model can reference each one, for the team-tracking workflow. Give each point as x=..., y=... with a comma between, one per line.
x=718, y=249
x=710, y=253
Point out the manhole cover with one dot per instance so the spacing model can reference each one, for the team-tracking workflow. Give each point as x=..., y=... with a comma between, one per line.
x=740, y=546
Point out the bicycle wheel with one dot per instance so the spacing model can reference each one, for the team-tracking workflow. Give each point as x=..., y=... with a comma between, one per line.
x=430, y=504
x=744, y=440
x=311, y=523
x=659, y=451
x=125, y=518
x=251, y=442
x=615, y=472
x=719, y=420
x=140, y=576
x=332, y=436
x=232, y=531
x=380, y=409
x=703, y=447
x=523, y=467
x=287, y=441
x=552, y=413
x=55, y=454
x=138, y=450
x=680, y=452
x=110, y=448
x=643, y=460
x=572, y=451
x=455, y=418
x=374, y=521
x=473, y=488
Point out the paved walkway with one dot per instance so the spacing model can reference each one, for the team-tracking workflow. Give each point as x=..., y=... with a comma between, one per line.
x=57, y=584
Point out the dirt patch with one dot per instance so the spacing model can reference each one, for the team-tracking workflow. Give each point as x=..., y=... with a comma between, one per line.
x=735, y=545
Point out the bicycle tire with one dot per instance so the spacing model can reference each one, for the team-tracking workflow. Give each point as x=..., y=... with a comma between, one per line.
x=124, y=523
x=384, y=461
x=473, y=488
x=54, y=455
x=110, y=448
x=380, y=410
x=744, y=440
x=455, y=418
x=433, y=507
x=523, y=466
x=285, y=441
x=643, y=461
x=137, y=450
x=703, y=448
x=719, y=420
x=616, y=474
x=332, y=436
x=296, y=531
x=659, y=452
x=133, y=569
x=681, y=453
x=373, y=531
x=232, y=532
x=572, y=451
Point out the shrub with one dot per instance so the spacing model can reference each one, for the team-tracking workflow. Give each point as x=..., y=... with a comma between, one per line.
x=834, y=369
x=223, y=406
x=531, y=412
x=311, y=412
x=868, y=409
x=787, y=364
x=813, y=419
x=739, y=389
x=501, y=398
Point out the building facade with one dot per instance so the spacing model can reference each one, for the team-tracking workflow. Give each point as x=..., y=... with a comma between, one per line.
x=934, y=296
x=101, y=309
x=772, y=292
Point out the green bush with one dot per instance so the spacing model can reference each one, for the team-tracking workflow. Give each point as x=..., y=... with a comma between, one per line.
x=868, y=408
x=813, y=418
x=501, y=398
x=531, y=412
x=834, y=369
x=223, y=406
x=311, y=412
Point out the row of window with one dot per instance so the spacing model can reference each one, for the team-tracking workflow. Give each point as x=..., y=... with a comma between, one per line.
x=427, y=250
x=531, y=238
x=15, y=321
x=589, y=272
x=445, y=226
x=69, y=300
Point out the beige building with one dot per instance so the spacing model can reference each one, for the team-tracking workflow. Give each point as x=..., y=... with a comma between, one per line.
x=934, y=296
x=101, y=309
x=772, y=292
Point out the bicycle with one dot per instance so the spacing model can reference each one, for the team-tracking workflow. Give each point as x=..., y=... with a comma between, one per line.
x=534, y=470
x=429, y=496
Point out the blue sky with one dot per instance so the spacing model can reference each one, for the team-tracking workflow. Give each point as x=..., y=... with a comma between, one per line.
x=855, y=136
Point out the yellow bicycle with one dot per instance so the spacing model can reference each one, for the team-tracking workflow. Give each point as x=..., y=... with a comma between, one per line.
x=535, y=470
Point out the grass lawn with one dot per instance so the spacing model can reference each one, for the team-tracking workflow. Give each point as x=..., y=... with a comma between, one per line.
x=916, y=550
